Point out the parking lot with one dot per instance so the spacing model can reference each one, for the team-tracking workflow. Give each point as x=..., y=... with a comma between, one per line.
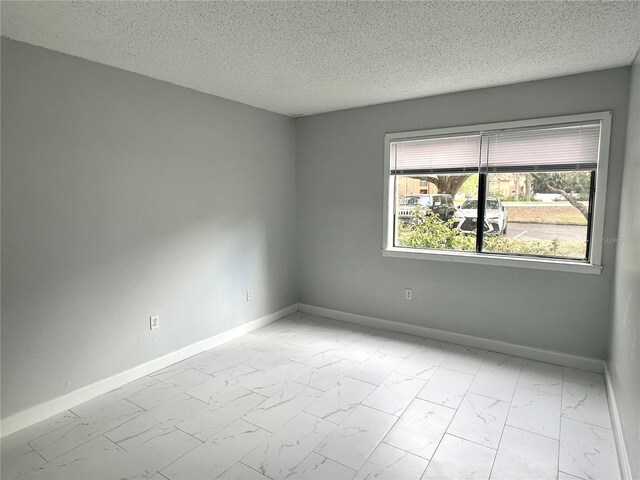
x=547, y=231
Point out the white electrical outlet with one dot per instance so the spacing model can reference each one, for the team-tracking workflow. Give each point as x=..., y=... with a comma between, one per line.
x=249, y=295
x=154, y=322
x=408, y=294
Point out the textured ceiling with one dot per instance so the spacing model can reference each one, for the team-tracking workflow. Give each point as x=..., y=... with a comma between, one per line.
x=309, y=57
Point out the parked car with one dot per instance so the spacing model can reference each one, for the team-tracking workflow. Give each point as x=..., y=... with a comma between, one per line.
x=466, y=217
x=412, y=205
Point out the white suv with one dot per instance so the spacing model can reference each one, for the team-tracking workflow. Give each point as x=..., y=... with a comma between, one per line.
x=495, y=214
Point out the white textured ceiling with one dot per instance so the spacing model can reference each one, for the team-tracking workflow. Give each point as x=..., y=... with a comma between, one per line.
x=310, y=57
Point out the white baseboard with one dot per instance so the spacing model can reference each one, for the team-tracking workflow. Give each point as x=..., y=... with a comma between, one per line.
x=623, y=458
x=531, y=353
x=37, y=413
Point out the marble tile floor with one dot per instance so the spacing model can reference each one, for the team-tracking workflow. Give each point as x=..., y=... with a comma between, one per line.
x=311, y=398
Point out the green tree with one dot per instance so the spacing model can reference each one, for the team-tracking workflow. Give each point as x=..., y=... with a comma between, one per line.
x=447, y=183
x=470, y=186
x=566, y=184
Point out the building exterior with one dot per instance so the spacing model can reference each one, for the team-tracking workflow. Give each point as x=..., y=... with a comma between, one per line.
x=414, y=186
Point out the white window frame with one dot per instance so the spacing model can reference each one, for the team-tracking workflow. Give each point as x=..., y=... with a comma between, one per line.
x=593, y=266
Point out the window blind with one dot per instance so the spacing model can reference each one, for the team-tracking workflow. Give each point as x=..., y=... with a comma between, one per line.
x=439, y=154
x=573, y=147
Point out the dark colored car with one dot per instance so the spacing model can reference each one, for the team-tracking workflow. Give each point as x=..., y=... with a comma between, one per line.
x=412, y=205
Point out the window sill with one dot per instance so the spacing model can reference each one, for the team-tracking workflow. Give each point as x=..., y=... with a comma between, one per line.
x=494, y=260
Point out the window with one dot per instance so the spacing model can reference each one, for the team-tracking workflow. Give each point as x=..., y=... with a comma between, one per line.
x=527, y=193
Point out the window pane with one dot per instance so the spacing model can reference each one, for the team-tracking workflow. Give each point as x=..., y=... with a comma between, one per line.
x=535, y=213
x=426, y=215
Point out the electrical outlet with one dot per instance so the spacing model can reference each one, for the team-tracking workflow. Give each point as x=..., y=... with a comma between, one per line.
x=408, y=294
x=249, y=295
x=154, y=322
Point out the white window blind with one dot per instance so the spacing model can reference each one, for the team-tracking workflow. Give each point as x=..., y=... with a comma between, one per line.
x=438, y=154
x=567, y=147
x=572, y=147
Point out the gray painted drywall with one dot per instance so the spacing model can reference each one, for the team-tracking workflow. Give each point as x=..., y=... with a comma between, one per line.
x=339, y=178
x=124, y=197
x=624, y=350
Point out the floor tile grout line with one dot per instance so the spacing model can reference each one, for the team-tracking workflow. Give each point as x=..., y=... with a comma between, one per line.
x=586, y=423
x=135, y=404
x=328, y=458
x=382, y=411
x=110, y=441
x=115, y=401
x=413, y=454
x=470, y=441
x=185, y=453
x=533, y=433
x=333, y=423
x=452, y=417
x=539, y=391
x=391, y=428
x=71, y=450
x=249, y=466
x=76, y=406
x=38, y=453
x=505, y=424
x=282, y=427
x=397, y=418
x=405, y=451
x=572, y=475
x=351, y=468
x=488, y=396
x=187, y=433
x=312, y=451
x=28, y=442
x=360, y=380
x=101, y=433
x=441, y=438
x=262, y=428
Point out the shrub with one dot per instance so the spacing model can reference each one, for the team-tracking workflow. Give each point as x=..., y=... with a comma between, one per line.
x=430, y=232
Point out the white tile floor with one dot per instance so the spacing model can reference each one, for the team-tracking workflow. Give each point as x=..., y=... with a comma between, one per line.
x=312, y=398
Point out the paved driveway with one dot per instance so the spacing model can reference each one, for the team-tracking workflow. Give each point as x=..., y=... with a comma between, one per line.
x=547, y=231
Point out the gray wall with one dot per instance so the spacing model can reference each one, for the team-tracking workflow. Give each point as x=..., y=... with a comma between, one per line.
x=122, y=197
x=340, y=200
x=624, y=351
